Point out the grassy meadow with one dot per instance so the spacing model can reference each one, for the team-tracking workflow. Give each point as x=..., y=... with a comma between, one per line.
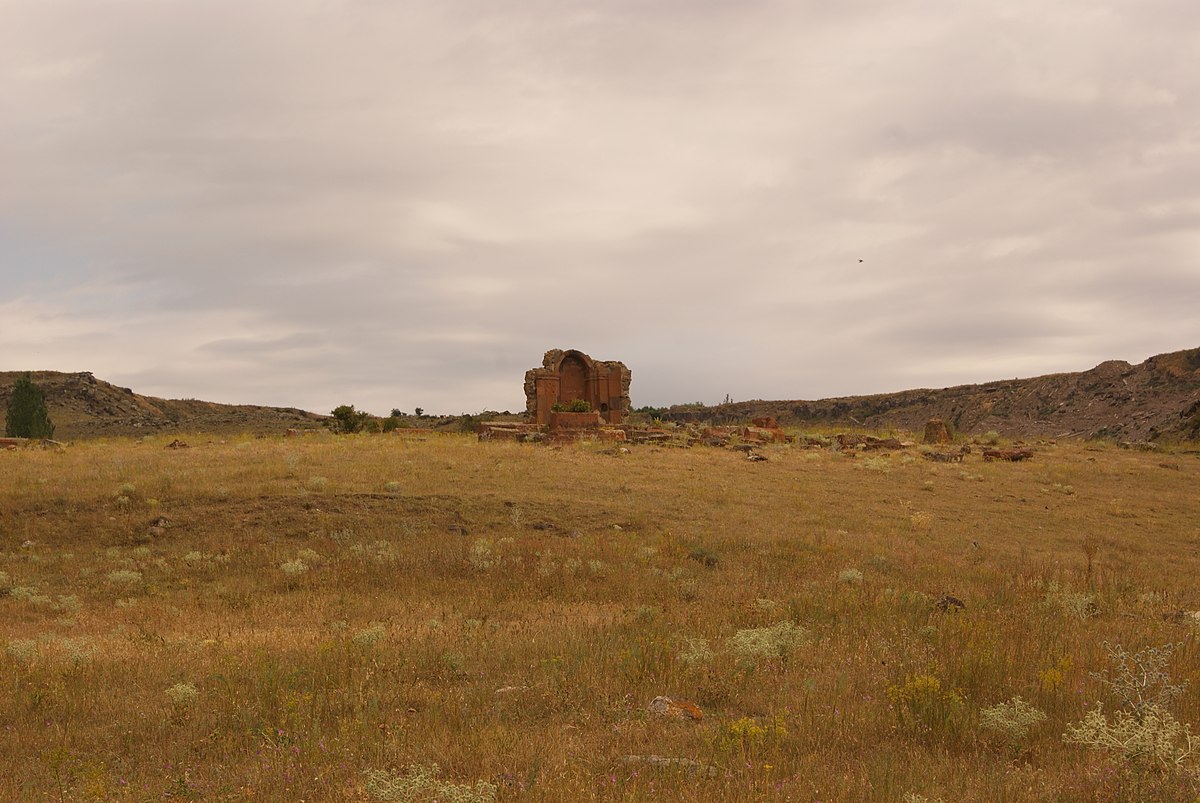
x=404, y=618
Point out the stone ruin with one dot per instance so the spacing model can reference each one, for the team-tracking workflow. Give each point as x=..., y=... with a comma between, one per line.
x=569, y=376
x=936, y=431
x=565, y=377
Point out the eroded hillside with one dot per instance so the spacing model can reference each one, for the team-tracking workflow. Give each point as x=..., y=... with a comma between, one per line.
x=82, y=406
x=1157, y=398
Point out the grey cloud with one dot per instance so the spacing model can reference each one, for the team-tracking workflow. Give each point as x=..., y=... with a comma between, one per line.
x=410, y=202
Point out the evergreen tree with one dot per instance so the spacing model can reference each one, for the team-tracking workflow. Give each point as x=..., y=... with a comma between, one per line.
x=27, y=414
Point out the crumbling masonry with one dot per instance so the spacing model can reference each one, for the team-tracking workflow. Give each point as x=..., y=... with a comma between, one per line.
x=567, y=376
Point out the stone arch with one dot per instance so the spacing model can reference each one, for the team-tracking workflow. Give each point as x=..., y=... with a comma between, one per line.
x=567, y=376
x=572, y=379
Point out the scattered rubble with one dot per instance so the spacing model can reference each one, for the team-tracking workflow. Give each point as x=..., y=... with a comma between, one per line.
x=948, y=457
x=1011, y=455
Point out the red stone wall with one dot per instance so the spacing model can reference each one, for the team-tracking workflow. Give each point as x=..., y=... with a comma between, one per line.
x=566, y=376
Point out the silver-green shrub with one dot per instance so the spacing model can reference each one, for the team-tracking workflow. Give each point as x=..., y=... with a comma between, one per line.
x=422, y=784
x=1140, y=681
x=757, y=644
x=182, y=695
x=1011, y=721
x=1155, y=738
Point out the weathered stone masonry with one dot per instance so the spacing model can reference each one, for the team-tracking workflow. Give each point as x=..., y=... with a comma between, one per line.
x=566, y=376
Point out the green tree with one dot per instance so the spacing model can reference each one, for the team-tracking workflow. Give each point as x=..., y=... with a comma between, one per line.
x=349, y=419
x=27, y=414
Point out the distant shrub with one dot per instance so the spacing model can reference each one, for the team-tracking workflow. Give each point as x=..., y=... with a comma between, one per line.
x=1076, y=605
x=124, y=577
x=293, y=569
x=697, y=653
x=1140, y=681
x=1011, y=721
x=422, y=784
x=851, y=577
x=1155, y=738
x=395, y=422
x=480, y=557
x=923, y=705
x=203, y=561
x=1143, y=732
x=68, y=604
x=369, y=636
x=574, y=406
x=380, y=552
x=348, y=419
x=747, y=732
x=182, y=695
x=774, y=643
x=76, y=650
x=1053, y=677
x=705, y=556
x=24, y=650
x=311, y=557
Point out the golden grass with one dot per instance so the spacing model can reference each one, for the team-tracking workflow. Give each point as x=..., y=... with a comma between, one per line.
x=507, y=612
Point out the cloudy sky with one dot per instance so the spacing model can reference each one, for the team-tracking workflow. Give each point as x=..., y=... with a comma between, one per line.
x=401, y=203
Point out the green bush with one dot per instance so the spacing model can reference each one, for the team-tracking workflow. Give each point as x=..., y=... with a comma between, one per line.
x=348, y=419
x=574, y=406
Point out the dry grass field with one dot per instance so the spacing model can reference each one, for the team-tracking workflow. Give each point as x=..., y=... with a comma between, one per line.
x=389, y=618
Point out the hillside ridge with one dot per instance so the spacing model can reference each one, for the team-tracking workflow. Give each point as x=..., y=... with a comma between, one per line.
x=1158, y=398
x=82, y=406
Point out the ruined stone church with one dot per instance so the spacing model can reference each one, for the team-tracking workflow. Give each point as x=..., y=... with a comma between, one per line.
x=567, y=376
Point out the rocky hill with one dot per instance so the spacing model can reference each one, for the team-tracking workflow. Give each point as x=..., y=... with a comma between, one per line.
x=1158, y=399
x=82, y=406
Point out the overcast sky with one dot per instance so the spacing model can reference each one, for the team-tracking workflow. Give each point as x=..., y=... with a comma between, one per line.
x=391, y=204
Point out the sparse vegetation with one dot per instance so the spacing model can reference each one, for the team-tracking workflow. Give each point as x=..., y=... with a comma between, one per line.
x=491, y=620
x=574, y=406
